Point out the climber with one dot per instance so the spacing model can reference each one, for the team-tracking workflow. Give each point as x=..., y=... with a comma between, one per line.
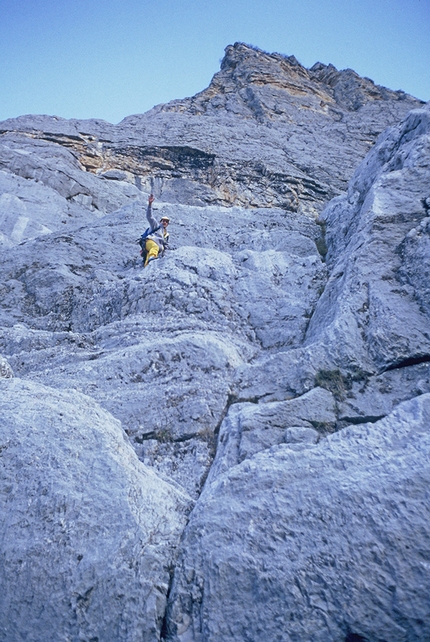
x=156, y=237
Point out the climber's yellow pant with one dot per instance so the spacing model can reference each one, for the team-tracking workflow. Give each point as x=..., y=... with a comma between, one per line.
x=152, y=250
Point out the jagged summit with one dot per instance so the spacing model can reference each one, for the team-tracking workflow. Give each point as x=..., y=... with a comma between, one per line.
x=249, y=75
x=266, y=132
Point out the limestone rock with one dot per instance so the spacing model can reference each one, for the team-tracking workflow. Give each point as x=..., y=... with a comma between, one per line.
x=159, y=347
x=328, y=543
x=372, y=317
x=267, y=132
x=88, y=533
x=225, y=366
x=250, y=428
x=44, y=188
x=375, y=397
x=373, y=296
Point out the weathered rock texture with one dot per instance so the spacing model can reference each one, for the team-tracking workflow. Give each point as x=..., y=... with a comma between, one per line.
x=88, y=534
x=371, y=323
x=315, y=544
x=274, y=366
x=266, y=133
x=159, y=348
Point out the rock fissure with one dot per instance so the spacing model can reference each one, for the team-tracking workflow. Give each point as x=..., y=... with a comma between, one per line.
x=355, y=421
x=407, y=363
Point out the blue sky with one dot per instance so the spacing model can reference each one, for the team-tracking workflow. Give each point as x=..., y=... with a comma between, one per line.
x=113, y=58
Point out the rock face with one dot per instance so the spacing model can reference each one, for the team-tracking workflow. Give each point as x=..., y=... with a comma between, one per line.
x=266, y=133
x=273, y=367
x=314, y=544
x=160, y=348
x=88, y=533
x=369, y=330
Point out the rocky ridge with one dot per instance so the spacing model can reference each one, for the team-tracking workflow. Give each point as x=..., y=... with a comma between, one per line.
x=271, y=373
x=267, y=132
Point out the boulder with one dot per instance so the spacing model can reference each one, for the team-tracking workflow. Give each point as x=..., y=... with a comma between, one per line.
x=327, y=543
x=88, y=533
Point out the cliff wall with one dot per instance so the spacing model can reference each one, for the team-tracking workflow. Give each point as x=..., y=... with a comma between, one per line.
x=232, y=443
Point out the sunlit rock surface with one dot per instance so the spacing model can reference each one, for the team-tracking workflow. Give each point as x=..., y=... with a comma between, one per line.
x=159, y=347
x=88, y=533
x=267, y=132
x=370, y=327
x=326, y=543
x=273, y=367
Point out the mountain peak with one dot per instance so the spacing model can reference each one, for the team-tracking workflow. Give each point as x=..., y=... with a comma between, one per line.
x=268, y=86
x=241, y=53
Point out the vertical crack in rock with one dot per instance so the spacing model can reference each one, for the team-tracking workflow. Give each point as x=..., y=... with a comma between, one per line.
x=165, y=629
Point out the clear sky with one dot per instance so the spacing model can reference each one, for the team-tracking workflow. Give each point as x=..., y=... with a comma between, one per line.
x=112, y=58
